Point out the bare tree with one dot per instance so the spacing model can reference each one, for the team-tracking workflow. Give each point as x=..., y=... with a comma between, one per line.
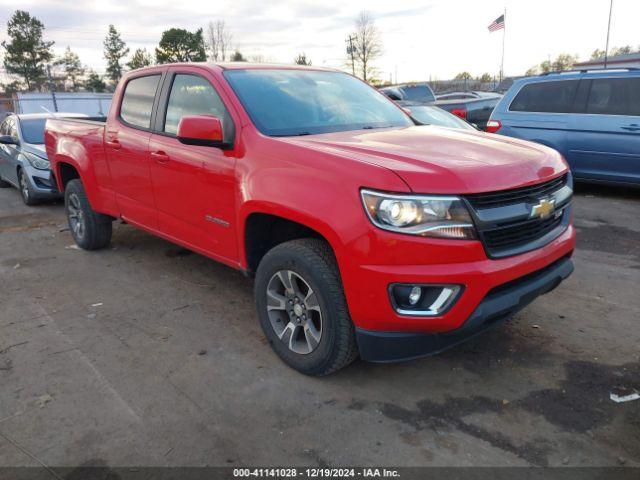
x=219, y=41
x=366, y=44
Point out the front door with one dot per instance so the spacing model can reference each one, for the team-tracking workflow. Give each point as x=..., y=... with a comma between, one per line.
x=127, y=146
x=194, y=185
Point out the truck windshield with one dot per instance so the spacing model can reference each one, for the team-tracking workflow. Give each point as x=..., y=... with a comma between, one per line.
x=306, y=102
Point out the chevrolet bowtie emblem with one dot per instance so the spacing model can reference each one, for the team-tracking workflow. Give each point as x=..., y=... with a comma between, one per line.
x=544, y=208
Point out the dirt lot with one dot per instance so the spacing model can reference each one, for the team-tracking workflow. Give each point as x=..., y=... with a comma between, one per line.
x=145, y=354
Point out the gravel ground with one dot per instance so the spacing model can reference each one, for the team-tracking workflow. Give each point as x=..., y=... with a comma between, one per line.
x=146, y=354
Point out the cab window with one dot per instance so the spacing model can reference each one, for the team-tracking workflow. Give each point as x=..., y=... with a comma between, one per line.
x=194, y=95
x=137, y=100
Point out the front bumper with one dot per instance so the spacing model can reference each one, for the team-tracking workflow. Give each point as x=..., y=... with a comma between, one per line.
x=43, y=183
x=497, y=306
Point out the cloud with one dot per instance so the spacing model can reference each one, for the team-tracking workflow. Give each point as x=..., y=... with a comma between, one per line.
x=418, y=37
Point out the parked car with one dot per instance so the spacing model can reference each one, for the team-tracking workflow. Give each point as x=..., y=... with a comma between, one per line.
x=468, y=95
x=432, y=115
x=591, y=117
x=474, y=107
x=365, y=233
x=410, y=92
x=23, y=159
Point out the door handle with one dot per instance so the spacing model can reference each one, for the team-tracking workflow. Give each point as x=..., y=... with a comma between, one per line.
x=113, y=143
x=634, y=127
x=160, y=157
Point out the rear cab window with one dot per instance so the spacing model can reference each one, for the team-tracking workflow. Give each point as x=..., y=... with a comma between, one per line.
x=546, y=97
x=137, y=101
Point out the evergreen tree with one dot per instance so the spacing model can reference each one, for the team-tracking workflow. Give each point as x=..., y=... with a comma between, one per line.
x=114, y=51
x=140, y=59
x=180, y=45
x=72, y=69
x=237, y=57
x=95, y=83
x=26, y=53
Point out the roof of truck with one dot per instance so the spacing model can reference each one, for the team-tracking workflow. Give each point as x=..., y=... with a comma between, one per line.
x=242, y=66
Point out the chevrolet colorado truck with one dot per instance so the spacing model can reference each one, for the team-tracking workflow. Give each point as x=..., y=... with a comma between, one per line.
x=366, y=234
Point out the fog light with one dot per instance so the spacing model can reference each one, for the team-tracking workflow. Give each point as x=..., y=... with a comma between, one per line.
x=423, y=300
x=415, y=294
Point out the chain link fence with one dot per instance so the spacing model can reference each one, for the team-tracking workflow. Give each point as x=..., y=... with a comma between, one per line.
x=88, y=103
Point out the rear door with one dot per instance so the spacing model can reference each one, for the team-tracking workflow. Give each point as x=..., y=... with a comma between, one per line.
x=127, y=146
x=605, y=137
x=194, y=185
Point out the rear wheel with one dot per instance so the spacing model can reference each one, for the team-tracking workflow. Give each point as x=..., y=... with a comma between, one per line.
x=90, y=230
x=302, y=308
x=26, y=192
x=4, y=184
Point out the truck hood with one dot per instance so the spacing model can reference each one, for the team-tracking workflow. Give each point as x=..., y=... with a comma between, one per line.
x=440, y=160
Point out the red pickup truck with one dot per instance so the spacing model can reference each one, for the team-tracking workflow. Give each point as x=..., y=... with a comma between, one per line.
x=367, y=234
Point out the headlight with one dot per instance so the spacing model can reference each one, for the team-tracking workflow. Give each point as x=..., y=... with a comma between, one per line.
x=37, y=162
x=429, y=216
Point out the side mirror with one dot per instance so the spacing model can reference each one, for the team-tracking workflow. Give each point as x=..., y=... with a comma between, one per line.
x=8, y=140
x=202, y=130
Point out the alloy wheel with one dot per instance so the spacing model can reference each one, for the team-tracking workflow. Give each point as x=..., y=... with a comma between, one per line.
x=76, y=216
x=24, y=186
x=294, y=311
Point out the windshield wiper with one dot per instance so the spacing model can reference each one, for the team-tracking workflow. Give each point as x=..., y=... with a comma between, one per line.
x=296, y=134
x=372, y=127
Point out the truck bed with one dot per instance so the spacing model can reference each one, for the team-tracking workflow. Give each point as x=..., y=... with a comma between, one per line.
x=77, y=145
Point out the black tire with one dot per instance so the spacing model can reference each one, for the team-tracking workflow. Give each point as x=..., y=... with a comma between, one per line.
x=26, y=192
x=96, y=227
x=4, y=184
x=313, y=261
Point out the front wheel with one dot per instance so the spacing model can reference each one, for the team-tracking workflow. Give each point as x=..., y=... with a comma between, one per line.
x=26, y=192
x=90, y=230
x=302, y=308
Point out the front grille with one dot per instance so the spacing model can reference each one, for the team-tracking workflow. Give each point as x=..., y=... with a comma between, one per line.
x=517, y=195
x=518, y=234
x=503, y=220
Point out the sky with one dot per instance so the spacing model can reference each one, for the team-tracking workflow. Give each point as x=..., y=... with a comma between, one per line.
x=422, y=40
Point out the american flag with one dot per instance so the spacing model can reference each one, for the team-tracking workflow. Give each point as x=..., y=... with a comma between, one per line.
x=497, y=24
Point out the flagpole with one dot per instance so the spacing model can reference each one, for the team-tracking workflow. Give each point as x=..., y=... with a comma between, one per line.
x=606, y=48
x=504, y=33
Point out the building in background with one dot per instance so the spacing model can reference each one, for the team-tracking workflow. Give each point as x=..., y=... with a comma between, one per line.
x=628, y=60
